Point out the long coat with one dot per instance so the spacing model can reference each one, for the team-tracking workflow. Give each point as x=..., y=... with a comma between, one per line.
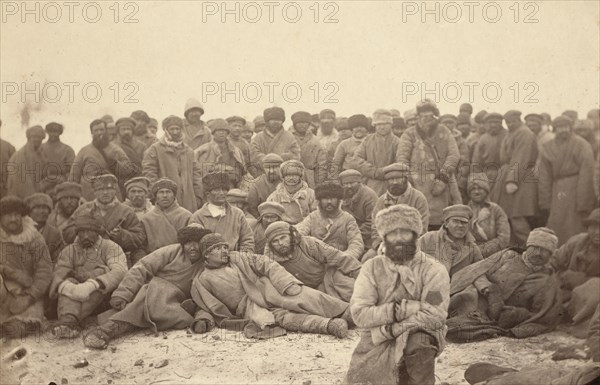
x=6, y=152
x=565, y=186
x=314, y=158
x=379, y=286
x=26, y=171
x=179, y=165
x=297, y=205
x=518, y=156
x=54, y=241
x=233, y=226
x=161, y=226
x=373, y=154
x=283, y=144
x=361, y=206
x=490, y=227
x=209, y=155
x=486, y=155
x=428, y=154
x=343, y=158
x=60, y=158
x=258, y=192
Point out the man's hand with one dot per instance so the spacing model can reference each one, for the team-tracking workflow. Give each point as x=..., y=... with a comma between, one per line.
x=438, y=187
x=115, y=234
x=80, y=275
x=371, y=253
x=118, y=303
x=82, y=291
x=293, y=290
x=406, y=309
x=511, y=188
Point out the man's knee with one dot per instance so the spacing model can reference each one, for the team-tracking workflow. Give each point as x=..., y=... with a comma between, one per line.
x=418, y=341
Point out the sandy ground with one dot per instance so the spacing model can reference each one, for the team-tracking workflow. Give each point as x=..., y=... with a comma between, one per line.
x=223, y=357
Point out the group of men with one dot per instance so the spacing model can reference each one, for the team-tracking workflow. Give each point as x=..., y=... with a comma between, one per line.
x=415, y=229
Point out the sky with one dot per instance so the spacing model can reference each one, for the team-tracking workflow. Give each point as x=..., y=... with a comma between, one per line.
x=74, y=64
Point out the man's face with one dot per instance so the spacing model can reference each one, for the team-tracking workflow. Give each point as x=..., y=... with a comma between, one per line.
x=494, y=126
x=53, y=135
x=217, y=256
x=12, y=223
x=105, y=195
x=140, y=128
x=68, y=205
x=194, y=115
x=301, y=127
x=457, y=227
x=562, y=132
x=39, y=214
x=411, y=122
x=217, y=196
x=513, y=122
x=192, y=251
x=400, y=245
x=272, y=172
x=327, y=123
x=99, y=134
x=275, y=125
x=477, y=194
x=267, y=219
x=397, y=186
x=126, y=132
x=537, y=256
x=235, y=129
x=36, y=139
x=383, y=129
x=450, y=123
x=426, y=119
x=359, y=132
x=165, y=198
x=465, y=129
x=292, y=180
x=398, y=131
x=136, y=196
x=345, y=133
x=220, y=136
x=329, y=205
x=534, y=125
x=111, y=132
x=350, y=189
x=247, y=134
x=87, y=238
x=152, y=129
x=594, y=233
x=282, y=244
x=176, y=133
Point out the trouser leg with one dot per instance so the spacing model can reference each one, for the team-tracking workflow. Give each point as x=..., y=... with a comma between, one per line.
x=296, y=322
x=419, y=359
x=72, y=311
x=519, y=231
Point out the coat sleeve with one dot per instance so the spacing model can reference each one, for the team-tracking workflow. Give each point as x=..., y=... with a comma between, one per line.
x=115, y=259
x=502, y=238
x=150, y=168
x=366, y=227
x=562, y=256
x=279, y=276
x=585, y=201
x=70, y=231
x=356, y=246
x=375, y=239
x=334, y=257
x=360, y=155
x=477, y=159
x=321, y=166
x=197, y=182
x=246, y=236
x=76, y=169
x=338, y=157
x=520, y=163
x=133, y=236
x=545, y=180
x=256, y=153
x=293, y=150
x=42, y=268
x=405, y=148
x=423, y=207
x=305, y=225
x=366, y=313
x=453, y=157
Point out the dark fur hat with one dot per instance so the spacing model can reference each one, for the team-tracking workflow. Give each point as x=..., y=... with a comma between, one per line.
x=13, y=204
x=191, y=233
x=329, y=190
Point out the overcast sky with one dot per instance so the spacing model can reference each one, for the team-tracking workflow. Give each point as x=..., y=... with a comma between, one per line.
x=369, y=55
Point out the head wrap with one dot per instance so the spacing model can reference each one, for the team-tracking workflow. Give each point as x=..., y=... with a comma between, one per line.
x=68, y=189
x=350, y=175
x=276, y=229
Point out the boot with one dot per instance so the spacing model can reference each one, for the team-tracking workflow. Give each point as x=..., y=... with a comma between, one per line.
x=337, y=327
x=99, y=338
x=420, y=367
x=68, y=327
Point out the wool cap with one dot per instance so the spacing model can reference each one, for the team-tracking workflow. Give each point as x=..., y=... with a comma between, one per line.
x=139, y=182
x=237, y=195
x=216, y=180
x=274, y=113
x=460, y=212
x=88, y=222
x=218, y=124
x=54, y=127
x=172, y=120
x=191, y=233
x=163, y=183
x=211, y=241
x=276, y=229
x=12, y=204
x=479, y=179
x=594, y=217
x=493, y=115
x=291, y=167
x=271, y=208
x=329, y=190
x=259, y=121
x=125, y=120
x=562, y=121
x=236, y=118
x=301, y=117
x=534, y=116
x=382, y=116
x=396, y=170
x=68, y=189
x=35, y=130
x=543, y=237
x=273, y=159
x=192, y=104
x=398, y=217
x=512, y=114
x=39, y=199
x=358, y=120
x=350, y=175
x=104, y=181
x=410, y=114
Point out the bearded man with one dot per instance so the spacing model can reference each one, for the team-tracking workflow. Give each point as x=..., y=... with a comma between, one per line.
x=359, y=200
x=293, y=192
x=264, y=184
x=136, y=190
x=68, y=195
x=269, y=212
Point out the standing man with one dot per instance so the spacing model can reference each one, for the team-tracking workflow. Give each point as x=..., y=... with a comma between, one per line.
x=359, y=200
x=133, y=148
x=486, y=156
x=58, y=155
x=236, y=126
x=327, y=133
x=40, y=206
x=312, y=153
x=377, y=151
x=534, y=122
x=344, y=132
x=140, y=131
x=68, y=196
x=343, y=158
x=172, y=158
x=27, y=167
x=264, y=184
x=274, y=139
x=136, y=190
x=566, y=193
x=516, y=189
x=195, y=132
x=6, y=152
x=401, y=302
x=220, y=152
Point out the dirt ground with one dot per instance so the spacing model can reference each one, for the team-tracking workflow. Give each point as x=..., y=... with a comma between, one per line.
x=223, y=357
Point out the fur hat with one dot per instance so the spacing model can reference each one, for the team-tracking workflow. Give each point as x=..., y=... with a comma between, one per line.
x=272, y=159
x=291, y=167
x=104, y=181
x=35, y=130
x=215, y=180
x=301, y=117
x=329, y=190
x=427, y=105
x=276, y=229
x=275, y=113
x=172, y=120
x=398, y=217
x=358, y=120
x=39, y=199
x=211, y=241
x=479, y=179
x=88, y=222
x=594, y=217
x=126, y=120
x=350, y=175
x=237, y=195
x=139, y=182
x=68, y=189
x=191, y=233
x=54, y=127
x=271, y=208
x=13, y=204
x=163, y=183
x=462, y=212
x=543, y=237
x=218, y=124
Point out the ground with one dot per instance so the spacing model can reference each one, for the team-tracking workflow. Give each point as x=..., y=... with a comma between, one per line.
x=223, y=357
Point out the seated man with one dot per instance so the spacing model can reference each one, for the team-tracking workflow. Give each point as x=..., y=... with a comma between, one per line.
x=331, y=224
x=269, y=212
x=313, y=262
x=489, y=224
x=240, y=289
x=293, y=192
x=401, y=300
x=120, y=223
x=512, y=292
x=163, y=222
x=87, y=272
x=238, y=198
x=578, y=268
x=359, y=201
x=68, y=195
x=40, y=206
x=261, y=187
x=136, y=190
x=452, y=245
x=152, y=292
x=25, y=269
